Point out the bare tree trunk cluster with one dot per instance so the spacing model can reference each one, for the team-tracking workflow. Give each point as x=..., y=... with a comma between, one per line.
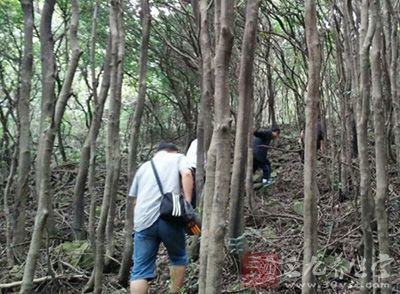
x=237, y=189
x=104, y=233
x=51, y=116
x=223, y=155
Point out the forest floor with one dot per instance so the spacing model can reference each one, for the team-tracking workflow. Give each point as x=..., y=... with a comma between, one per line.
x=274, y=227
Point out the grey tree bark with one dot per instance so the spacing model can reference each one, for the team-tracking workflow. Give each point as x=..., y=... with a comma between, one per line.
x=96, y=121
x=221, y=136
x=310, y=187
x=134, y=138
x=113, y=157
x=380, y=157
x=89, y=145
x=24, y=157
x=208, y=197
x=7, y=211
x=204, y=124
x=115, y=140
x=51, y=115
x=237, y=187
x=367, y=30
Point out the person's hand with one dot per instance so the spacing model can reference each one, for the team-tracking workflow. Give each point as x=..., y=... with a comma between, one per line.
x=189, y=211
x=193, y=227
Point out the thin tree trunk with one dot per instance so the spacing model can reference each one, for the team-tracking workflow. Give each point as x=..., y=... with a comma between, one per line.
x=208, y=197
x=7, y=211
x=270, y=89
x=89, y=146
x=380, y=158
x=24, y=158
x=236, y=219
x=104, y=229
x=392, y=42
x=223, y=153
x=352, y=68
x=134, y=139
x=310, y=185
x=116, y=144
x=52, y=113
x=204, y=124
x=45, y=145
x=362, y=112
x=96, y=119
x=249, y=170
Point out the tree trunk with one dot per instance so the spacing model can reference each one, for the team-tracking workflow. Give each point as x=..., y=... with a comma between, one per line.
x=89, y=144
x=208, y=197
x=362, y=113
x=222, y=144
x=105, y=227
x=392, y=42
x=134, y=139
x=7, y=212
x=45, y=144
x=204, y=124
x=96, y=122
x=270, y=88
x=24, y=158
x=116, y=139
x=310, y=187
x=236, y=219
x=381, y=159
x=52, y=113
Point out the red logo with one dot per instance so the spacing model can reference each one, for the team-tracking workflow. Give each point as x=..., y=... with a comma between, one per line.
x=260, y=270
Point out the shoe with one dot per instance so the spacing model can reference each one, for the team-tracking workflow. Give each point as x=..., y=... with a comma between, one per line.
x=266, y=182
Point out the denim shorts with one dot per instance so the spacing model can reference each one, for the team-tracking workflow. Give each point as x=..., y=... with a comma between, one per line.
x=147, y=242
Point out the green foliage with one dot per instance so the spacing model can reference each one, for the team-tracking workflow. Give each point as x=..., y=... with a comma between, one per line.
x=17, y=271
x=332, y=266
x=76, y=253
x=298, y=207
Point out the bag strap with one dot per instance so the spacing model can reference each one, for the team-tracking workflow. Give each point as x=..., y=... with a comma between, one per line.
x=157, y=177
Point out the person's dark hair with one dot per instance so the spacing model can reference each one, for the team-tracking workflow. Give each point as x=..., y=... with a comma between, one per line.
x=276, y=129
x=167, y=147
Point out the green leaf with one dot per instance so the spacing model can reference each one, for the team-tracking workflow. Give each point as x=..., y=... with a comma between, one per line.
x=298, y=207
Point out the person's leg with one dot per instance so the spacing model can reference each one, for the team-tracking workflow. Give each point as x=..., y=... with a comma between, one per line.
x=177, y=274
x=139, y=287
x=255, y=165
x=146, y=245
x=268, y=166
x=266, y=170
x=173, y=237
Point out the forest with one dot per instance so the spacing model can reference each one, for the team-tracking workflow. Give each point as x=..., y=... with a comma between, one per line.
x=89, y=89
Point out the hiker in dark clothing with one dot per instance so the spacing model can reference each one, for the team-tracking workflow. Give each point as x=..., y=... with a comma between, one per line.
x=262, y=139
x=320, y=144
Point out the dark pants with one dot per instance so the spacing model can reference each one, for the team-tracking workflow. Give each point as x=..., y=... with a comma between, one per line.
x=264, y=165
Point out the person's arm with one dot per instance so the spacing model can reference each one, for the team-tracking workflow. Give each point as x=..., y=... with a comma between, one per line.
x=187, y=184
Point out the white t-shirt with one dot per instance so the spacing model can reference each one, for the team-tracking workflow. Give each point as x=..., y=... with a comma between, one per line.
x=145, y=188
x=192, y=154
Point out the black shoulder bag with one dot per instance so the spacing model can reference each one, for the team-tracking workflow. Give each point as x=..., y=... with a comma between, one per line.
x=172, y=207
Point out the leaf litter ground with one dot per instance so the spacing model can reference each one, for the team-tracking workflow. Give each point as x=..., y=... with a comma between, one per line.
x=274, y=224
